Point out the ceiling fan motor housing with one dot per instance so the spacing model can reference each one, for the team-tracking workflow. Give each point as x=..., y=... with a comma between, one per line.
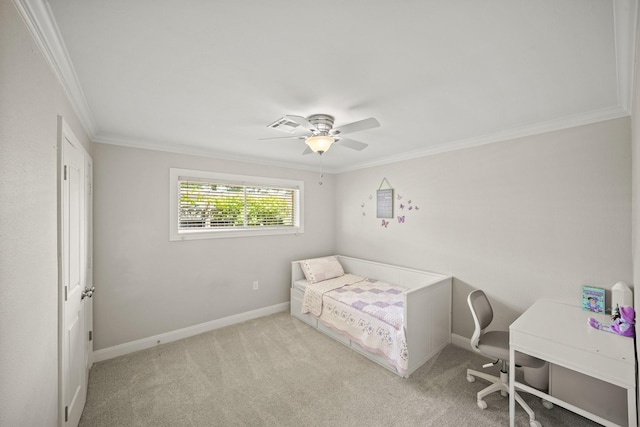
x=322, y=122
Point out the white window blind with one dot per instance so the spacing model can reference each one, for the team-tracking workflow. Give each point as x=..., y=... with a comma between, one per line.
x=207, y=204
x=222, y=205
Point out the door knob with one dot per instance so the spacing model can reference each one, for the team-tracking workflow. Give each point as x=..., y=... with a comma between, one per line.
x=88, y=292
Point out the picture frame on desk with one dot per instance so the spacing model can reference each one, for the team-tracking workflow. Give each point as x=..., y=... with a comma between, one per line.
x=593, y=299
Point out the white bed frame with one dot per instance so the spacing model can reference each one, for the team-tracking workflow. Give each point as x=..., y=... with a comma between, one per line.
x=427, y=308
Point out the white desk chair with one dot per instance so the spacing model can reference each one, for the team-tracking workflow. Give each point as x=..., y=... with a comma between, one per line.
x=495, y=344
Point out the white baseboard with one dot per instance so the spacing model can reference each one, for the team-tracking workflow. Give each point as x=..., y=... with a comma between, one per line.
x=461, y=341
x=144, y=343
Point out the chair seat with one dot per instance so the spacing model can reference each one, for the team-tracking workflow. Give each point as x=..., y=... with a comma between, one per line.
x=496, y=344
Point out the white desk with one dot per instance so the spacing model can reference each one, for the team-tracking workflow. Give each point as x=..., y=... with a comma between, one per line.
x=559, y=333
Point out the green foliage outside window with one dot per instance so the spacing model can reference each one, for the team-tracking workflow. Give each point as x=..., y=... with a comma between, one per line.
x=206, y=205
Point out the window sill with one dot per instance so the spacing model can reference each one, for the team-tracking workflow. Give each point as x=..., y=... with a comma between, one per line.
x=223, y=234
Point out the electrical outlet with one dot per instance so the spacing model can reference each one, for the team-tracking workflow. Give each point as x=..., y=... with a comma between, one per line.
x=255, y=285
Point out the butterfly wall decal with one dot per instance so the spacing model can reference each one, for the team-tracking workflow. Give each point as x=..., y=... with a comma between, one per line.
x=401, y=219
x=384, y=223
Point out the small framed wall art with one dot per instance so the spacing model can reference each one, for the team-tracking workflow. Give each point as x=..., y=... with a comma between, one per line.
x=384, y=201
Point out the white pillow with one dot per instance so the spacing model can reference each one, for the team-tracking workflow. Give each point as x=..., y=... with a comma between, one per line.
x=319, y=269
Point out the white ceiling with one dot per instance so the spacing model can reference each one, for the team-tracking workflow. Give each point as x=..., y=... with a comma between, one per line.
x=207, y=77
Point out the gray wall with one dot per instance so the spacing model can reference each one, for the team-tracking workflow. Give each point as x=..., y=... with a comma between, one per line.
x=523, y=219
x=147, y=285
x=30, y=101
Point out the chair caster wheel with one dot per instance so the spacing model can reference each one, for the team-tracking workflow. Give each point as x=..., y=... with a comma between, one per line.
x=547, y=404
x=504, y=393
x=535, y=423
x=483, y=405
x=471, y=378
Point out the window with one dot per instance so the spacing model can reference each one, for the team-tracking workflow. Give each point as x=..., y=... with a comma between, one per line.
x=208, y=205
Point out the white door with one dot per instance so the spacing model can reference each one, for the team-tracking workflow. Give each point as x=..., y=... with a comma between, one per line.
x=73, y=272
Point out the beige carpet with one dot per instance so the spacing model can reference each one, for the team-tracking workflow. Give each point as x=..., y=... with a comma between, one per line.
x=278, y=371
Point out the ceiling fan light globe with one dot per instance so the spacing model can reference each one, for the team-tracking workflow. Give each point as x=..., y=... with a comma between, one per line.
x=319, y=144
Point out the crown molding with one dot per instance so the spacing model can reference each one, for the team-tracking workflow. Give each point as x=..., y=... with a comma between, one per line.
x=535, y=129
x=39, y=19
x=194, y=151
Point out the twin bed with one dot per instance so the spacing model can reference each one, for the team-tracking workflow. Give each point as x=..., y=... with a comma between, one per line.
x=397, y=317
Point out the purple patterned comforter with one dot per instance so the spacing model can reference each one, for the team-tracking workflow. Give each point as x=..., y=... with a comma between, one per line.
x=370, y=313
x=378, y=299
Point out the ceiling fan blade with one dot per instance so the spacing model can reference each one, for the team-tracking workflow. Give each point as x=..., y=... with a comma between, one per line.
x=303, y=122
x=351, y=143
x=356, y=126
x=307, y=150
x=283, y=137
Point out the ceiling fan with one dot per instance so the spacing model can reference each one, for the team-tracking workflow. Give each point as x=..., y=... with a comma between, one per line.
x=319, y=133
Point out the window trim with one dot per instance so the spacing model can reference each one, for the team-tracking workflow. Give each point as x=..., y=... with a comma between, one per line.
x=175, y=234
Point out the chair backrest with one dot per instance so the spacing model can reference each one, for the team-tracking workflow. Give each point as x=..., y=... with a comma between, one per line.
x=482, y=315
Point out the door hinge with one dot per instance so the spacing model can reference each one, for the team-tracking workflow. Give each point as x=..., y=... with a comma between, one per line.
x=65, y=172
x=90, y=335
x=66, y=414
x=65, y=293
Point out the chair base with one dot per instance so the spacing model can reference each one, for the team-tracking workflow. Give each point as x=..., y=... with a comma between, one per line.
x=500, y=384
